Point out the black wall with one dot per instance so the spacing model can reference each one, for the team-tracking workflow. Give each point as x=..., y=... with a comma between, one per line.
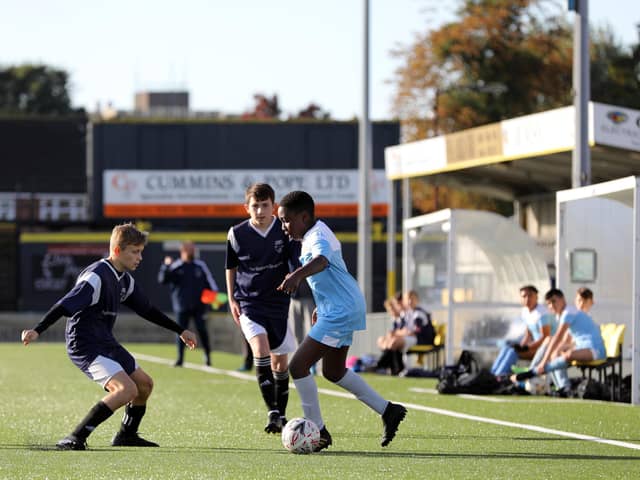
x=283, y=145
x=50, y=156
x=43, y=155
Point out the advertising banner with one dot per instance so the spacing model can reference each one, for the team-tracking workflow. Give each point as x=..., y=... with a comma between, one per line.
x=220, y=193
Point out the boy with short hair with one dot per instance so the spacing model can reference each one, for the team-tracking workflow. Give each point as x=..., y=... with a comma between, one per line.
x=92, y=306
x=584, y=299
x=340, y=310
x=258, y=257
x=587, y=342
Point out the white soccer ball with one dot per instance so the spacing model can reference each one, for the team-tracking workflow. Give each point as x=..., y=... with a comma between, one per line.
x=300, y=435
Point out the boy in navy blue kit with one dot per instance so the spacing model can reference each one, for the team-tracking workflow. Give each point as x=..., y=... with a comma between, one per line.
x=92, y=306
x=340, y=310
x=259, y=255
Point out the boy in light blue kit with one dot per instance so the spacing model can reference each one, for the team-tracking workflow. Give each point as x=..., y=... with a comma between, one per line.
x=340, y=310
x=587, y=343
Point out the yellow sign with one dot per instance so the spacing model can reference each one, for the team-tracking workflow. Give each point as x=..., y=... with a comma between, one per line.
x=474, y=144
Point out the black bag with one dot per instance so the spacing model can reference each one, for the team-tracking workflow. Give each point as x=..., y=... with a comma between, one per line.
x=467, y=363
x=450, y=375
x=590, y=389
x=482, y=382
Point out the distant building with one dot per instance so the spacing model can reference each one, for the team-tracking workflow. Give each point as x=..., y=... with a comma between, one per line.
x=162, y=104
x=158, y=104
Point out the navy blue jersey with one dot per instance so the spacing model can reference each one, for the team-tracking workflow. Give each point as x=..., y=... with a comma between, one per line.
x=261, y=261
x=93, y=304
x=419, y=320
x=186, y=281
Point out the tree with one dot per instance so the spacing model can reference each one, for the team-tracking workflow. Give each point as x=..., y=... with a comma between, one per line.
x=502, y=59
x=313, y=111
x=265, y=108
x=615, y=71
x=34, y=89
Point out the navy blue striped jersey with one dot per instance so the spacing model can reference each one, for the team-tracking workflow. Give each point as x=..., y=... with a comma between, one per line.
x=261, y=260
x=93, y=304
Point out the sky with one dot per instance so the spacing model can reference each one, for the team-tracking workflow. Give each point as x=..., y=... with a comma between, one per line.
x=225, y=51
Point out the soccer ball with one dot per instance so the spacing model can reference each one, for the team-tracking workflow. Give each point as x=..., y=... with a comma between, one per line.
x=300, y=435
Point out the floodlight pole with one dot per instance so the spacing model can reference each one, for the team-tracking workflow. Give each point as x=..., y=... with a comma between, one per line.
x=581, y=158
x=364, y=167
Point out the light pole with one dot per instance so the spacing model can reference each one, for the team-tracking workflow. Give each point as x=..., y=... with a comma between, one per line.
x=364, y=169
x=581, y=158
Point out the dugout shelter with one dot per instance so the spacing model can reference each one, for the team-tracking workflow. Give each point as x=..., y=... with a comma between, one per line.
x=467, y=266
x=524, y=160
x=598, y=246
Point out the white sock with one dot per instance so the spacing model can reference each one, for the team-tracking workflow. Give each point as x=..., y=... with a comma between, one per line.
x=308, y=392
x=363, y=392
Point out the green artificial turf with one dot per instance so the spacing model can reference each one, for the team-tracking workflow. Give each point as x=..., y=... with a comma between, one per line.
x=209, y=426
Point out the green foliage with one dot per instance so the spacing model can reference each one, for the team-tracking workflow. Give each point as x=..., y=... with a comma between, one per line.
x=34, y=89
x=615, y=71
x=209, y=425
x=502, y=59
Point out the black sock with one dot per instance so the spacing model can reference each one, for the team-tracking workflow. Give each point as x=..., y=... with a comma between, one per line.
x=385, y=359
x=98, y=414
x=282, y=390
x=266, y=381
x=132, y=418
x=397, y=363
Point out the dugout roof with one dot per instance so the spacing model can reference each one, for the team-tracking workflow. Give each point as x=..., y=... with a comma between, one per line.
x=523, y=156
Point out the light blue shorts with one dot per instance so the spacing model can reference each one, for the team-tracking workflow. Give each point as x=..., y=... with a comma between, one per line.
x=597, y=351
x=331, y=336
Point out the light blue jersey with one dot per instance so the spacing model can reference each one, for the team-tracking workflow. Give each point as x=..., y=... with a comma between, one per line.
x=339, y=302
x=585, y=332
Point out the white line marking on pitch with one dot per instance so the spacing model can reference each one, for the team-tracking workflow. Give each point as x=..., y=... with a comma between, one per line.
x=506, y=399
x=437, y=411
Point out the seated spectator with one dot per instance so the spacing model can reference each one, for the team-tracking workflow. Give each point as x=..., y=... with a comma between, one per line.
x=417, y=329
x=587, y=344
x=393, y=306
x=584, y=299
x=583, y=302
x=390, y=359
x=538, y=327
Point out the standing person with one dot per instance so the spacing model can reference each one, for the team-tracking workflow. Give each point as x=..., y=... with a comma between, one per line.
x=300, y=314
x=340, y=310
x=539, y=326
x=92, y=306
x=301, y=310
x=258, y=258
x=187, y=277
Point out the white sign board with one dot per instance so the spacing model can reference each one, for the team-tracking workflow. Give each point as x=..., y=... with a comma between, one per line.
x=220, y=193
x=616, y=126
